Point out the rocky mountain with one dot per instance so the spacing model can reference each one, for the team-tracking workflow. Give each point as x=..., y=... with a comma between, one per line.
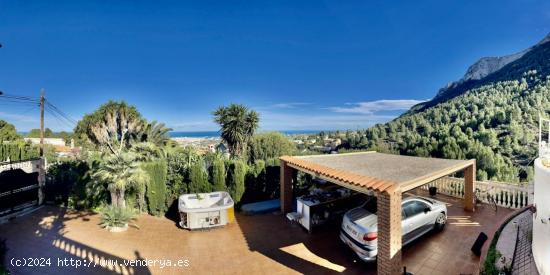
x=490, y=69
x=490, y=115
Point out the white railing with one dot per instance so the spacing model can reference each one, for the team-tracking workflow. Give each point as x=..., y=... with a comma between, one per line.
x=505, y=194
x=29, y=166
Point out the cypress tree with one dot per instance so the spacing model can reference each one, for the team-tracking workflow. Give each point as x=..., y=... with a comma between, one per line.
x=218, y=175
x=156, y=190
x=198, y=179
x=236, y=187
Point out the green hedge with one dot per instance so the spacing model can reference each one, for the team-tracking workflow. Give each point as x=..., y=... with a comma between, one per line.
x=17, y=150
x=156, y=190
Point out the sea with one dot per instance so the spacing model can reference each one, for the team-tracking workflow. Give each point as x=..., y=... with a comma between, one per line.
x=207, y=134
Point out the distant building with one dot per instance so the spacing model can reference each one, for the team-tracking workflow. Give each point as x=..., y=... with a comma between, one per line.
x=65, y=151
x=50, y=141
x=61, y=149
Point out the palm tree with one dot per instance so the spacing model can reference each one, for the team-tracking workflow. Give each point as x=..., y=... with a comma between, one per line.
x=121, y=172
x=148, y=151
x=157, y=133
x=238, y=125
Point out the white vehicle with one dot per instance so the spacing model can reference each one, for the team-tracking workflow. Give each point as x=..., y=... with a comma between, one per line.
x=419, y=216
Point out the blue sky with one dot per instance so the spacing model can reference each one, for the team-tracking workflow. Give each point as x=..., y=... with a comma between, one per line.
x=301, y=64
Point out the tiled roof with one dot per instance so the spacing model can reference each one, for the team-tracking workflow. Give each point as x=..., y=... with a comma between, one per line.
x=377, y=171
x=361, y=181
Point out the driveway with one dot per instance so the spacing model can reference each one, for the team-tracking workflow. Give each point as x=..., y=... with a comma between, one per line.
x=263, y=244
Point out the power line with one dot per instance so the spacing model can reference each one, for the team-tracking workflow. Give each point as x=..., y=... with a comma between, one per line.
x=61, y=113
x=53, y=110
x=2, y=99
x=62, y=121
x=21, y=98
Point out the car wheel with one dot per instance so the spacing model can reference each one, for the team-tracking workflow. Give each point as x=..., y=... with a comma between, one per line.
x=440, y=222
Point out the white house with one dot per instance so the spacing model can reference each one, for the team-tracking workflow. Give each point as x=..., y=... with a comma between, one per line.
x=50, y=141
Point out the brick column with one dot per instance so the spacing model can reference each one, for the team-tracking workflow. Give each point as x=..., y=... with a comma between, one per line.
x=469, y=187
x=286, y=187
x=389, y=233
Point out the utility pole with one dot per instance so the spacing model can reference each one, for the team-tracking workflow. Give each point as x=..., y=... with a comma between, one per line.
x=42, y=169
x=42, y=123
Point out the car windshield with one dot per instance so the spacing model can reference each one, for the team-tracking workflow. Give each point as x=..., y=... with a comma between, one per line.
x=370, y=205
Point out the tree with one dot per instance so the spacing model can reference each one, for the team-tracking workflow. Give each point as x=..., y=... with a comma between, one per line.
x=156, y=189
x=238, y=125
x=35, y=133
x=156, y=133
x=269, y=145
x=218, y=175
x=8, y=132
x=111, y=128
x=236, y=186
x=120, y=172
x=198, y=179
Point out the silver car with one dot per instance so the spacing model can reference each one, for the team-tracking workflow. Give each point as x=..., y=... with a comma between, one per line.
x=419, y=216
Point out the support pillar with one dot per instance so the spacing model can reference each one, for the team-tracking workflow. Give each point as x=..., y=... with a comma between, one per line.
x=389, y=233
x=469, y=187
x=286, y=187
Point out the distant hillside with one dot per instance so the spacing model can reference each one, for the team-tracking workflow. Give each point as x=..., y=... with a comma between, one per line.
x=492, y=69
x=495, y=124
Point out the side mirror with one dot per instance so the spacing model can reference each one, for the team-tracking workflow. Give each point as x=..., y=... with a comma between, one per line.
x=427, y=209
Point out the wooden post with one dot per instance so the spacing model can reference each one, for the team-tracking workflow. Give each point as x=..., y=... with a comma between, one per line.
x=42, y=169
x=286, y=187
x=389, y=233
x=469, y=187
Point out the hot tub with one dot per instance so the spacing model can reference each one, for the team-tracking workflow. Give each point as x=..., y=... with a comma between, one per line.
x=205, y=210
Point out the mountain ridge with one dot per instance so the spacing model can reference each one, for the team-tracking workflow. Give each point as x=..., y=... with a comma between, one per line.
x=482, y=72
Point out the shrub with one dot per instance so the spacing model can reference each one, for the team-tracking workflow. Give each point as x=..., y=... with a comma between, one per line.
x=112, y=216
x=198, y=179
x=272, y=184
x=177, y=167
x=66, y=184
x=255, y=183
x=236, y=186
x=218, y=175
x=156, y=189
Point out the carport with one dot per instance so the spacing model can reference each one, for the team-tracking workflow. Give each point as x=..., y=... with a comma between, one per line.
x=388, y=176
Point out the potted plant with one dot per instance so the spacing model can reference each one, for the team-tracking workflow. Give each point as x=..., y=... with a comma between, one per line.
x=433, y=191
x=117, y=219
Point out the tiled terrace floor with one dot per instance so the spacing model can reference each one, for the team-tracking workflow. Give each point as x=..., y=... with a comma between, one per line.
x=264, y=244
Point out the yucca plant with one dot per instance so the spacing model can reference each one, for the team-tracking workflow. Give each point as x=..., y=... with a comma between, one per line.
x=117, y=217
